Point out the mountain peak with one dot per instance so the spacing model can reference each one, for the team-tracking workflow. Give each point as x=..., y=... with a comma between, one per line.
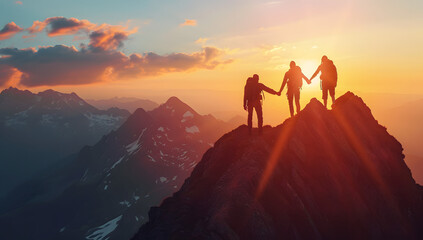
x=314, y=105
x=352, y=102
x=324, y=174
x=52, y=93
x=67, y=98
x=174, y=101
x=177, y=107
x=13, y=91
x=49, y=91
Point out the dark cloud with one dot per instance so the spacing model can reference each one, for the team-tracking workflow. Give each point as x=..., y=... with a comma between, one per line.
x=154, y=64
x=63, y=65
x=98, y=61
x=102, y=37
x=108, y=38
x=58, y=26
x=9, y=30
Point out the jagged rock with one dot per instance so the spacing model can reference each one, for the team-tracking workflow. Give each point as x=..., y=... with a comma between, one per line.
x=324, y=174
x=108, y=190
x=37, y=131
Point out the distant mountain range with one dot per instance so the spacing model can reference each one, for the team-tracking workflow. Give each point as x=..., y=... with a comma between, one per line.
x=323, y=174
x=38, y=130
x=130, y=104
x=106, y=192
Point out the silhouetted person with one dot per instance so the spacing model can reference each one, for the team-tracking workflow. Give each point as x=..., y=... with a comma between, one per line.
x=294, y=79
x=329, y=79
x=252, y=100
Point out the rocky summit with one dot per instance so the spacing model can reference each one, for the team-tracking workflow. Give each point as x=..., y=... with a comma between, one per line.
x=323, y=174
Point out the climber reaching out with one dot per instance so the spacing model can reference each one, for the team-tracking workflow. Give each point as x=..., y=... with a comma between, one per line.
x=253, y=100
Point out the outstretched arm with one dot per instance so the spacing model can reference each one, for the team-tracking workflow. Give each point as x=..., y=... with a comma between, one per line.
x=285, y=79
x=267, y=89
x=306, y=79
x=315, y=73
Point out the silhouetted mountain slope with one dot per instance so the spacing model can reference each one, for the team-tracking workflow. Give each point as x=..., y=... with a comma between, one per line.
x=107, y=192
x=323, y=174
x=130, y=104
x=38, y=130
x=415, y=163
x=405, y=123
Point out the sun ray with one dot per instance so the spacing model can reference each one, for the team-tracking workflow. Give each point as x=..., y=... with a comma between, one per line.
x=279, y=147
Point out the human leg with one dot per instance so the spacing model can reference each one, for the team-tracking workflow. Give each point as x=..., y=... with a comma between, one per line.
x=332, y=94
x=259, y=111
x=250, y=117
x=297, y=100
x=325, y=95
x=290, y=102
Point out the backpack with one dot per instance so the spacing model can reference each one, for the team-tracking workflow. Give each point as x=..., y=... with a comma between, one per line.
x=295, y=78
x=330, y=75
x=252, y=90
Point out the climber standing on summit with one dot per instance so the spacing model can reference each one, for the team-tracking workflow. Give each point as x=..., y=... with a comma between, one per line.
x=329, y=79
x=253, y=100
x=294, y=79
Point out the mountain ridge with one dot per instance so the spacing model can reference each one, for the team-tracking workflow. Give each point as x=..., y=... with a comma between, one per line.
x=324, y=174
x=40, y=130
x=130, y=104
x=117, y=179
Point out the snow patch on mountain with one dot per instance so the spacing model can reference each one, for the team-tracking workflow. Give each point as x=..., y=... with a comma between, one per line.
x=151, y=158
x=14, y=121
x=192, y=129
x=102, y=232
x=135, y=146
x=18, y=118
x=84, y=177
x=125, y=203
x=117, y=162
x=188, y=114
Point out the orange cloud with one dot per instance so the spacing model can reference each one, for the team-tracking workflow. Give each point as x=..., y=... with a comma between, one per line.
x=97, y=61
x=59, y=26
x=102, y=37
x=36, y=27
x=201, y=41
x=189, y=22
x=63, y=65
x=9, y=30
x=152, y=64
x=19, y=2
x=109, y=37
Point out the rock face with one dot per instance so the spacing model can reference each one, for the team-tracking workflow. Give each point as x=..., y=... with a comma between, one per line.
x=107, y=191
x=324, y=174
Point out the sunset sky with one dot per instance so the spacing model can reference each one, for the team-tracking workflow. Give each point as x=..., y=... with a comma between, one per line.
x=203, y=51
